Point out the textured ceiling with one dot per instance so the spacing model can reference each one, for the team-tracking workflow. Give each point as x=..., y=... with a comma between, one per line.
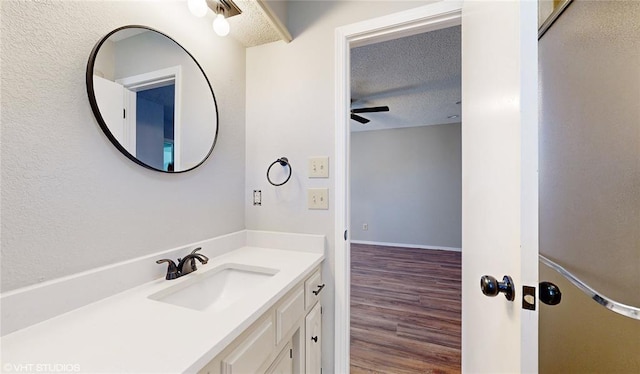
x=418, y=77
x=252, y=27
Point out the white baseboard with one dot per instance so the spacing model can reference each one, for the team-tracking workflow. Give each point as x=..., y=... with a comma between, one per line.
x=404, y=245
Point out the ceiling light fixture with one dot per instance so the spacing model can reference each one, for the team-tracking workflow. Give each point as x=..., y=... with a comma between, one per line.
x=220, y=24
x=222, y=8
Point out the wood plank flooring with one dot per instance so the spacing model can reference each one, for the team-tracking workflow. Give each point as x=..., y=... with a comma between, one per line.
x=405, y=310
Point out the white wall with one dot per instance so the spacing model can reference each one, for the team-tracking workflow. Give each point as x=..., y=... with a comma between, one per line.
x=590, y=184
x=70, y=200
x=290, y=113
x=406, y=185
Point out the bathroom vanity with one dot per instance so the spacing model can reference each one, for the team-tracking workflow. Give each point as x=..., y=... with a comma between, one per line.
x=253, y=308
x=285, y=339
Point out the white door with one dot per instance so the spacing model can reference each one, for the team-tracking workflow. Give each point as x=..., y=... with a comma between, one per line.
x=111, y=105
x=499, y=172
x=114, y=100
x=313, y=336
x=499, y=183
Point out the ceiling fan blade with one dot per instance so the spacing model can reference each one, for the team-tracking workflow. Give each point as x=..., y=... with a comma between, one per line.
x=371, y=109
x=359, y=119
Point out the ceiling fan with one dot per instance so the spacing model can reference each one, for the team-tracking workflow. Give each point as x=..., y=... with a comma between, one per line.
x=356, y=117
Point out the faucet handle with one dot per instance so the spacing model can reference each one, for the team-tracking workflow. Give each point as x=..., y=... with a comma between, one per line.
x=201, y=255
x=172, y=269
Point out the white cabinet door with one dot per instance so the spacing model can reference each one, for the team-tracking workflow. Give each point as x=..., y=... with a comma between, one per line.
x=253, y=352
x=313, y=352
x=283, y=364
x=289, y=313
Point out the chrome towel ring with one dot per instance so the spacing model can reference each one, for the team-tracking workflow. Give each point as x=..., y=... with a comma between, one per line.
x=284, y=162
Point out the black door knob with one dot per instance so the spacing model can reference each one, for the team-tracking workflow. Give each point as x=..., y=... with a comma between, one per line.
x=491, y=287
x=550, y=293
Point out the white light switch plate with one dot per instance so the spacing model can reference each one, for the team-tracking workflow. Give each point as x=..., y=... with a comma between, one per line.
x=319, y=167
x=318, y=198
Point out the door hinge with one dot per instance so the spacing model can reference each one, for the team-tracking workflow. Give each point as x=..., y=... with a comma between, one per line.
x=124, y=113
x=290, y=353
x=320, y=310
x=345, y=234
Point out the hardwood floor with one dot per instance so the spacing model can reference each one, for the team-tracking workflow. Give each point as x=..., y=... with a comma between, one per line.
x=405, y=310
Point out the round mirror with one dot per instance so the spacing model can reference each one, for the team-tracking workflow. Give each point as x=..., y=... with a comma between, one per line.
x=152, y=99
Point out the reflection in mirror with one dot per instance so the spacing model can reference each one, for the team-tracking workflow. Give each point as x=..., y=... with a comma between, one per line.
x=152, y=99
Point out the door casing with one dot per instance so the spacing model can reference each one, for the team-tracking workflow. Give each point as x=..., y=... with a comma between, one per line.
x=506, y=105
x=411, y=22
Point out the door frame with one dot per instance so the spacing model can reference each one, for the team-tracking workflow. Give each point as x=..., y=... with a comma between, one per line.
x=147, y=81
x=411, y=22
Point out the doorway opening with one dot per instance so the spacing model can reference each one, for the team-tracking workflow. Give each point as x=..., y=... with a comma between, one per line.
x=406, y=204
x=152, y=117
x=416, y=21
x=155, y=111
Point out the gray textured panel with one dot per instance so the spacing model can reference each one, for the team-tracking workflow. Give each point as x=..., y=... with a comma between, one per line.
x=418, y=77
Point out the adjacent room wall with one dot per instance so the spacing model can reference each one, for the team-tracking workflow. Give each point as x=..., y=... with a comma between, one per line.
x=70, y=200
x=406, y=185
x=290, y=112
x=590, y=184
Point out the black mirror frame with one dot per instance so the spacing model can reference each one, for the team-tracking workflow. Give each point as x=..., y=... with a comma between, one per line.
x=103, y=124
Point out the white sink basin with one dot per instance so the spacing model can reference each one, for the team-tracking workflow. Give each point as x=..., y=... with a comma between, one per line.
x=215, y=289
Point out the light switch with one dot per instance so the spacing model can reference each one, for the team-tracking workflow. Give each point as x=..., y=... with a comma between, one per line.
x=318, y=198
x=319, y=167
x=257, y=197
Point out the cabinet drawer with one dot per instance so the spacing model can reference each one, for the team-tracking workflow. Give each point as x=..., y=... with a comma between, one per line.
x=313, y=286
x=289, y=312
x=252, y=352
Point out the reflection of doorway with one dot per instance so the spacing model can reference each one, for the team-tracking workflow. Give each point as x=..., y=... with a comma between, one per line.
x=155, y=110
x=152, y=123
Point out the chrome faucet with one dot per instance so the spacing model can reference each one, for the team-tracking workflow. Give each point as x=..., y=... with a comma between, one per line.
x=185, y=265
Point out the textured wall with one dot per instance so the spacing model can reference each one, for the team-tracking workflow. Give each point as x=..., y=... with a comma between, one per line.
x=290, y=112
x=590, y=183
x=70, y=200
x=406, y=184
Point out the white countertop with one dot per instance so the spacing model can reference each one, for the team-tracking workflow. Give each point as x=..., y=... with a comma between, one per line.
x=129, y=332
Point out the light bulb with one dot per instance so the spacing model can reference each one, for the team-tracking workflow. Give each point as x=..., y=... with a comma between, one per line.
x=221, y=25
x=198, y=7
